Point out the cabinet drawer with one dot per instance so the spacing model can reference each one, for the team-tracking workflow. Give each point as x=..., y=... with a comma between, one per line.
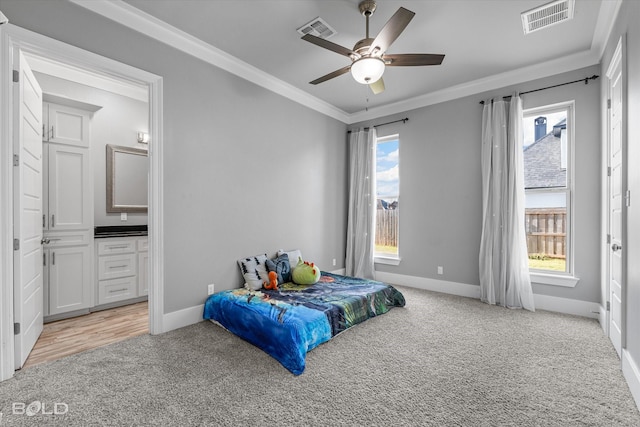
x=143, y=245
x=111, y=246
x=114, y=266
x=59, y=239
x=116, y=290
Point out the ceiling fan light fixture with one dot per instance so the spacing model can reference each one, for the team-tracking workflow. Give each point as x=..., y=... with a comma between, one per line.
x=367, y=70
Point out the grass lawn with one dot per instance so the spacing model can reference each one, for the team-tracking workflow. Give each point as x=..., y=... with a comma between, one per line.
x=386, y=249
x=555, y=264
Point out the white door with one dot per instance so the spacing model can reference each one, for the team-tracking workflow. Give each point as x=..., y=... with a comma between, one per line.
x=616, y=202
x=27, y=279
x=70, y=187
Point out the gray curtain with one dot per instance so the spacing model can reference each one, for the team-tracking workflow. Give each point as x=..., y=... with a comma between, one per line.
x=504, y=270
x=362, y=203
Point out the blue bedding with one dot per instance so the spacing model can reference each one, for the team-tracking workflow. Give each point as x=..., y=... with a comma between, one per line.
x=288, y=322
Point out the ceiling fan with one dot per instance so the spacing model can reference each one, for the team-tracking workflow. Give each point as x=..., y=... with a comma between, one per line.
x=368, y=56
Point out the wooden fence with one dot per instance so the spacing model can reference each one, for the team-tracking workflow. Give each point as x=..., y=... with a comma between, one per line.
x=387, y=227
x=546, y=231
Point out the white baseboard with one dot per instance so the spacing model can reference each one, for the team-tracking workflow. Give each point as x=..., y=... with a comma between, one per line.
x=340, y=271
x=603, y=319
x=453, y=288
x=191, y=315
x=632, y=375
x=542, y=302
x=567, y=306
x=182, y=318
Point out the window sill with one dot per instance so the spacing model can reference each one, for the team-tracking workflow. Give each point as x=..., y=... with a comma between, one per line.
x=386, y=260
x=554, y=279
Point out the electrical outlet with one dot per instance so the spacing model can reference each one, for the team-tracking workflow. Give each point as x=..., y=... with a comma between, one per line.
x=211, y=289
x=123, y=216
x=334, y=262
x=440, y=270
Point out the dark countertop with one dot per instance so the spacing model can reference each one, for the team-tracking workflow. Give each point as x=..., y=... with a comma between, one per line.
x=101, y=232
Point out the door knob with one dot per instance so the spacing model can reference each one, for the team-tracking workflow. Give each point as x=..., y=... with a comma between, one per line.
x=615, y=247
x=44, y=241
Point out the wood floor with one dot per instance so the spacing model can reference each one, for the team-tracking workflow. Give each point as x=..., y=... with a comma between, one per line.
x=71, y=336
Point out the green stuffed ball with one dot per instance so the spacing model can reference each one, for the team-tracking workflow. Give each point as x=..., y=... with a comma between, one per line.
x=305, y=273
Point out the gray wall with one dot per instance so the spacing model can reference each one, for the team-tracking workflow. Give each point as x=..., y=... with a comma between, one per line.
x=117, y=122
x=627, y=24
x=246, y=171
x=440, y=184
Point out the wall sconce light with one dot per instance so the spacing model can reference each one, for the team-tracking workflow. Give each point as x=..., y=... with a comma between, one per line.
x=143, y=137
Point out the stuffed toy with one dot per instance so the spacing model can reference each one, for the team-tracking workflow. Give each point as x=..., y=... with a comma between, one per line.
x=305, y=273
x=273, y=281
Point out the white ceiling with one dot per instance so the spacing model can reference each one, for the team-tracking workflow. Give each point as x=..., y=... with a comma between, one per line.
x=483, y=41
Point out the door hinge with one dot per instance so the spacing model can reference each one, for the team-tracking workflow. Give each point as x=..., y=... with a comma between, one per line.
x=16, y=76
x=627, y=198
x=608, y=239
x=16, y=244
x=608, y=170
x=16, y=329
x=16, y=160
x=609, y=103
x=608, y=306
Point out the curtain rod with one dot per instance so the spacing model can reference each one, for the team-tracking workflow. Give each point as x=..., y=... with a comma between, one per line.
x=406, y=119
x=585, y=80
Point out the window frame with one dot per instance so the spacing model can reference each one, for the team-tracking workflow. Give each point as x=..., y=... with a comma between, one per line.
x=549, y=277
x=381, y=257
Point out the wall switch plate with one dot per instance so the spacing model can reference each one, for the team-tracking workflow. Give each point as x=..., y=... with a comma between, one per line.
x=440, y=270
x=123, y=216
x=211, y=289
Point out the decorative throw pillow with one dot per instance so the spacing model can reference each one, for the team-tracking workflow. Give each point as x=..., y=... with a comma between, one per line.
x=294, y=256
x=254, y=271
x=282, y=268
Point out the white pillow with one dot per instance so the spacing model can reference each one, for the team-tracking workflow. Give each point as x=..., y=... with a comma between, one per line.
x=293, y=256
x=254, y=271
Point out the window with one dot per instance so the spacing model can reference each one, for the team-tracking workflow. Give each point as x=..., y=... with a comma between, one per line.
x=548, y=143
x=387, y=199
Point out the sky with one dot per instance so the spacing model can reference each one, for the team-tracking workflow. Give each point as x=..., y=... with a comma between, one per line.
x=387, y=178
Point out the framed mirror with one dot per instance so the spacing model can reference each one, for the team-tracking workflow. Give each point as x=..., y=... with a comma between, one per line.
x=127, y=179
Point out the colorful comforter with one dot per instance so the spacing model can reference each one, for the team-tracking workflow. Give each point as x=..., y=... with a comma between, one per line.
x=288, y=322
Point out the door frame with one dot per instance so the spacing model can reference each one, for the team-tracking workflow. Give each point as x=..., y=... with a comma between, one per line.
x=619, y=55
x=12, y=38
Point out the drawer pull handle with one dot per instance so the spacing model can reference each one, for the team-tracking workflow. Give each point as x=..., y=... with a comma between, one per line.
x=117, y=266
x=111, y=291
x=118, y=247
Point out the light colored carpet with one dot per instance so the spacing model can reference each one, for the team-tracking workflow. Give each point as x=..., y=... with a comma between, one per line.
x=440, y=361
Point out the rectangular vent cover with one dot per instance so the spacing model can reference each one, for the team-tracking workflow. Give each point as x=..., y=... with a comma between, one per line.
x=547, y=15
x=317, y=27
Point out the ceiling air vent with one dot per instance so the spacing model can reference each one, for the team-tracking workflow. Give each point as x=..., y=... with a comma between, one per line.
x=547, y=15
x=317, y=27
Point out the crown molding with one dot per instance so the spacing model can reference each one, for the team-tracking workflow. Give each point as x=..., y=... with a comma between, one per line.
x=131, y=17
x=607, y=16
x=496, y=81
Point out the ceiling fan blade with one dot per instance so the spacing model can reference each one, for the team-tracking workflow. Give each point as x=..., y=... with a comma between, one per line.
x=329, y=76
x=377, y=87
x=412, y=59
x=391, y=30
x=329, y=45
